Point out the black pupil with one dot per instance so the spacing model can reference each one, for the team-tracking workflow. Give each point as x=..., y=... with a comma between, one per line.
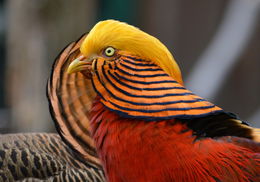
x=109, y=51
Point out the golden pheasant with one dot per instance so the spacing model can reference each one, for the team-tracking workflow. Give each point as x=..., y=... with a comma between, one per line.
x=145, y=124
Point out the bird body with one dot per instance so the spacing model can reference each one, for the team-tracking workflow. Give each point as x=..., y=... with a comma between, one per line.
x=146, y=125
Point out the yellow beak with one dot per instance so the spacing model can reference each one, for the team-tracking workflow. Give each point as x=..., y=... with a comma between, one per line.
x=79, y=64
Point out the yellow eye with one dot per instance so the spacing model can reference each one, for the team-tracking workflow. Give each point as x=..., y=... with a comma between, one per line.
x=110, y=51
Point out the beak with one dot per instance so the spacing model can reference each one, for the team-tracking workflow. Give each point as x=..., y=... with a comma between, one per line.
x=81, y=63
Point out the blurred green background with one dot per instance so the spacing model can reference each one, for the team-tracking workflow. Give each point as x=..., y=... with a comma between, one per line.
x=215, y=42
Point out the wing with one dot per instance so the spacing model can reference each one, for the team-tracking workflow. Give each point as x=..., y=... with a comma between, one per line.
x=69, y=97
x=40, y=157
x=221, y=124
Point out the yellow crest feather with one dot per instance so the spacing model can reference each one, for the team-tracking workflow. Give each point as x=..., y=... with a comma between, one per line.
x=130, y=39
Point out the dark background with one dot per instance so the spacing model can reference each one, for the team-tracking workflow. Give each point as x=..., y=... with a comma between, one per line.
x=215, y=42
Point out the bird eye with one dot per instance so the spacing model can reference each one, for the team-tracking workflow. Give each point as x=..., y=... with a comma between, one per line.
x=110, y=51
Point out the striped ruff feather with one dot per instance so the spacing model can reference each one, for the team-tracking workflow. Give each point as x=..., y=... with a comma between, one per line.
x=70, y=101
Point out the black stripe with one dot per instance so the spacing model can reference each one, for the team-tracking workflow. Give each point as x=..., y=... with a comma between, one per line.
x=146, y=82
x=160, y=110
x=144, y=63
x=157, y=118
x=138, y=88
x=137, y=75
x=140, y=69
x=136, y=59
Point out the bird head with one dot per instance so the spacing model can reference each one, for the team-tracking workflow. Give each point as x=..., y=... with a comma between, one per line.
x=111, y=39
